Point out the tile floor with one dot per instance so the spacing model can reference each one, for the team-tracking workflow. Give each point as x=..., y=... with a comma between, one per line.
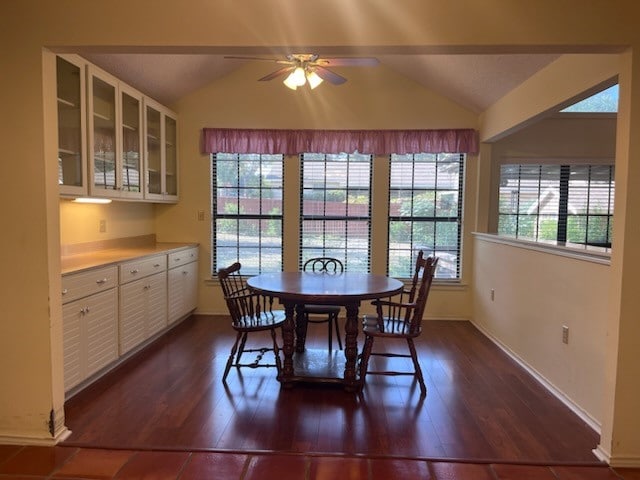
x=39, y=463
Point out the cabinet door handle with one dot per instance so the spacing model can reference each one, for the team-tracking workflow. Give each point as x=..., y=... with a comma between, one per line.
x=147, y=287
x=184, y=272
x=177, y=259
x=101, y=281
x=156, y=265
x=134, y=271
x=65, y=291
x=84, y=310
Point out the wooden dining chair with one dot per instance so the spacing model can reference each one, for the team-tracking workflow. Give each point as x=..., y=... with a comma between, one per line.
x=399, y=320
x=324, y=313
x=250, y=313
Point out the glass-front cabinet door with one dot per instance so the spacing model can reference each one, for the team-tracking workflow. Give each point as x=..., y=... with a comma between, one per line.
x=71, y=94
x=129, y=178
x=154, y=152
x=102, y=105
x=171, y=157
x=161, y=153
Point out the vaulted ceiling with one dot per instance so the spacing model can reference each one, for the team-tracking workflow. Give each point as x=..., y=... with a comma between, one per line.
x=472, y=81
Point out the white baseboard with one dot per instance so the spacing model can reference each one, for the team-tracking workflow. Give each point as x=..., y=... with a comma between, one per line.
x=617, y=461
x=559, y=394
x=46, y=441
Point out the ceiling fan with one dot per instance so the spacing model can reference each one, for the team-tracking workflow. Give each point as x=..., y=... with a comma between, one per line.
x=311, y=68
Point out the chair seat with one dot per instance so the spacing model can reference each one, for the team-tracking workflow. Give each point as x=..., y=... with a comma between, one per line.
x=266, y=321
x=392, y=327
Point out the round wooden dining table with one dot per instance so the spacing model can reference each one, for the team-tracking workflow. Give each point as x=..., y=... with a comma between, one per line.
x=348, y=289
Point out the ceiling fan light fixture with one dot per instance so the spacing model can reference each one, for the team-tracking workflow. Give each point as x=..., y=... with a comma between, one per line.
x=296, y=79
x=314, y=79
x=298, y=76
x=290, y=83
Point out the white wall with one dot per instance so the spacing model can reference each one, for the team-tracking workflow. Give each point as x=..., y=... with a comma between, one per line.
x=536, y=294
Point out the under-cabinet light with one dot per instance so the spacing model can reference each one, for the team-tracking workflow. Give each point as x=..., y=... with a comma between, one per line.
x=91, y=200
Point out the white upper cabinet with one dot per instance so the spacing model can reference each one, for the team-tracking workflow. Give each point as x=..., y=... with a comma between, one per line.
x=71, y=99
x=161, y=163
x=115, y=137
x=113, y=141
x=132, y=143
x=102, y=121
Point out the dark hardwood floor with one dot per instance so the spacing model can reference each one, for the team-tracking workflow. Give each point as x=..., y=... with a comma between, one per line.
x=480, y=406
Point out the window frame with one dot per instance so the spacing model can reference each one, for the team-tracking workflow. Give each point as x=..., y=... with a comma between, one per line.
x=238, y=216
x=325, y=250
x=566, y=190
x=414, y=220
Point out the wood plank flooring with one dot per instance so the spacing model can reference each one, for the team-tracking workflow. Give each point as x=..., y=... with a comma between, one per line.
x=480, y=406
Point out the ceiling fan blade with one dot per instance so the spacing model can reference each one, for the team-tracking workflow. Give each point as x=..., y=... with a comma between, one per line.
x=348, y=62
x=277, y=73
x=329, y=76
x=232, y=57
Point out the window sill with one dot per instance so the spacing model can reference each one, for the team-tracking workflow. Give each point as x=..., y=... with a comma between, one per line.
x=572, y=250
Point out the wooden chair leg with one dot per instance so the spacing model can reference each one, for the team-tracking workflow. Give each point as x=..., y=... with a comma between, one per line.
x=234, y=349
x=364, y=358
x=242, y=345
x=276, y=351
x=337, y=327
x=416, y=365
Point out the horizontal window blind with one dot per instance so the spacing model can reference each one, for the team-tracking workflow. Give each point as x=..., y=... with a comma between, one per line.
x=335, y=209
x=565, y=203
x=425, y=212
x=247, y=212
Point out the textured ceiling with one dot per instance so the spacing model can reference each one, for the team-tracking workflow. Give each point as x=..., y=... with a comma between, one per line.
x=473, y=81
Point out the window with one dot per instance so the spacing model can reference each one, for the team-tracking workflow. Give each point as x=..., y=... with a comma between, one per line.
x=335, y=208
x=564, y=203
x=247, y=211
x=425, y=212
x=605, y=101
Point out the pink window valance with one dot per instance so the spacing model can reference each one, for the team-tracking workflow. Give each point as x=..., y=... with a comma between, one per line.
x=376, y=142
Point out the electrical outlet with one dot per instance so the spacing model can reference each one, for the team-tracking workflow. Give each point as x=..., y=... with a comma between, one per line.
x=493, y=294
x=565, y=334
x=103, y=226
x=201, y=215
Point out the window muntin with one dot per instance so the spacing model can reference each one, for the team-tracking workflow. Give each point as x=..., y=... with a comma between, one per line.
x=425, y=212
x=564, y=203
x=247, y=211
x=335, y=208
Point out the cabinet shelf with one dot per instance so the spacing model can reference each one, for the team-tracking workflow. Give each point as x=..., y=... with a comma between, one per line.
x=64, y=151
x=66, y=103
x=102, y=117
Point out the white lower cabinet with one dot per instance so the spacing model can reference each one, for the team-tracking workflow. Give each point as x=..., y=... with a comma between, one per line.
x=90, y=324
x=143, y=308
x=109, y=311
x=182, y=283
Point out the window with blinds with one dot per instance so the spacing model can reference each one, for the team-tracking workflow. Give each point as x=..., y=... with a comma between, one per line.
x=425, y=212
x=564, y=203
x=247, y=212
x=335, y=208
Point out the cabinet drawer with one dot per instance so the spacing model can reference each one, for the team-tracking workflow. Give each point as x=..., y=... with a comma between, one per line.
x=183, y=257
x=79, y=285
x=142, y=267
